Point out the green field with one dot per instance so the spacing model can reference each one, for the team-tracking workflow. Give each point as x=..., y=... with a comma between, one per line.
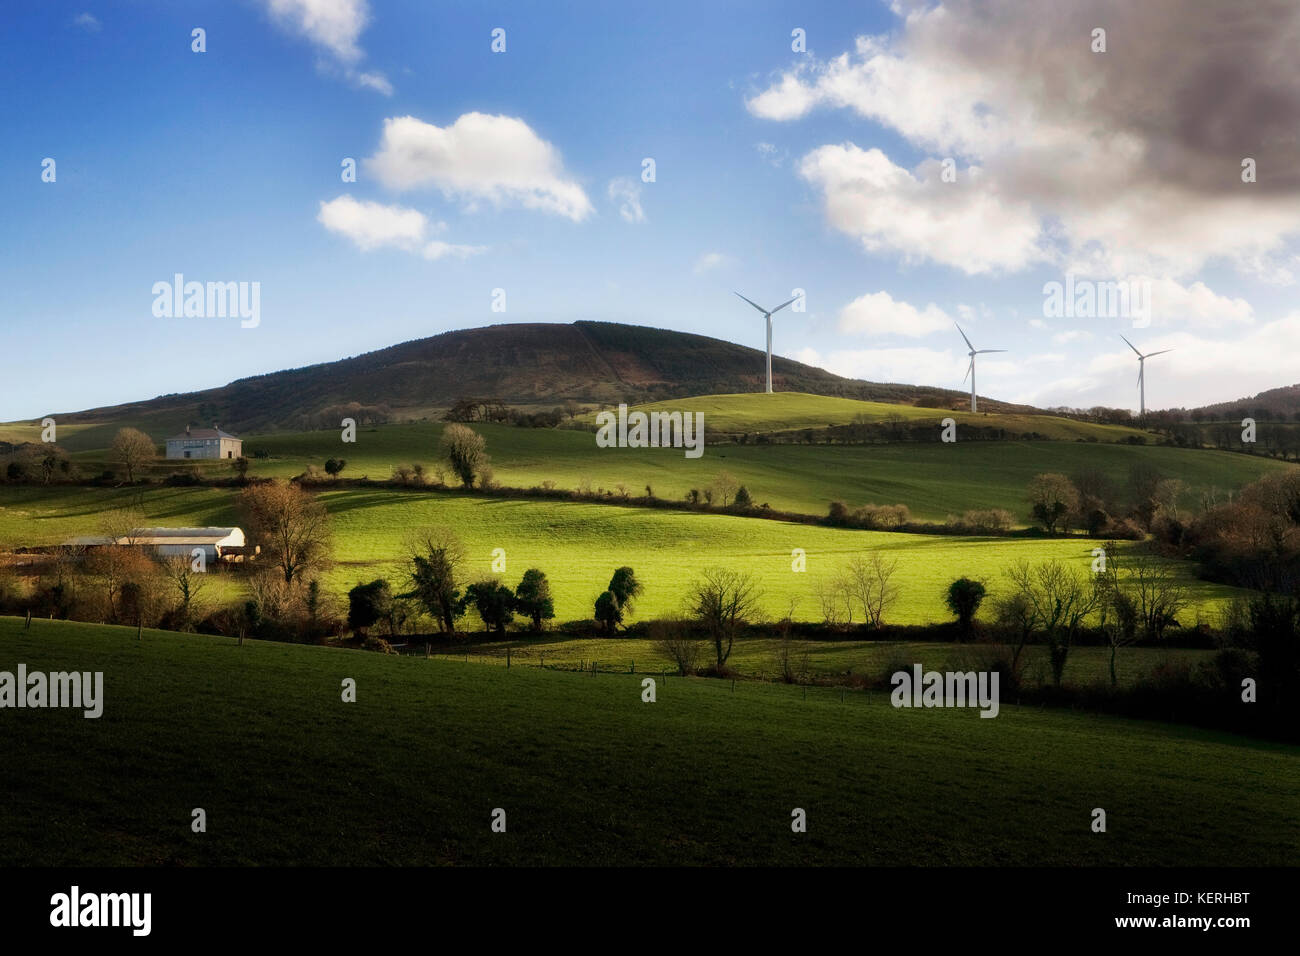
x=579, y=544
x=831, y=662
x=935, y=480
x=588, y=774
x=760, y=413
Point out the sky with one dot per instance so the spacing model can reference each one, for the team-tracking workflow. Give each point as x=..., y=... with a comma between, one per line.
x=902, y=167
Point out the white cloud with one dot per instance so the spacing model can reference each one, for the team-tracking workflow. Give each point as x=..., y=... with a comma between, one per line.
x=479, y=157
x=375, y=81
x=1072, y=335
x=334, y=27
x=372, y=225
x=711, y=261
x=770, y=153
x=941, y=367
x=1114, y=163
x=87, y=21
x=879, y=314
x=888, y=208
x=626, y=192
x=789, y=99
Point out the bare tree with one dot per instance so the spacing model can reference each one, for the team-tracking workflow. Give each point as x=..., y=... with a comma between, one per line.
x=290, y=524
x=1057, y=599
x=725, y=486
x=673, y=640
x=722, y=600
x=836, y=605
x=188, y=584
x=868, y=582
x=1156, y=594
x=465, y=450
x=132, y=449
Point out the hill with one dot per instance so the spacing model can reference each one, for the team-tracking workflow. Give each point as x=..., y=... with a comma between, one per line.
x=410, y=773
x=524, y=364
x=1276, y=403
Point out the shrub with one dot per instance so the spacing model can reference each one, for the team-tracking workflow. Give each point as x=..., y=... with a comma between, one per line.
x=964, y=598
x=672, y=640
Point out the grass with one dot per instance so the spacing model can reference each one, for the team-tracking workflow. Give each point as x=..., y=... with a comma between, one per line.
x=829, y=661
x=934, y=480
x=794, y=411
x=587, y=773
x=579, y=544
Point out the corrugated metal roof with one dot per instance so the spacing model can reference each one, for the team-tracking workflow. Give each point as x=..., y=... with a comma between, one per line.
x=159, y=536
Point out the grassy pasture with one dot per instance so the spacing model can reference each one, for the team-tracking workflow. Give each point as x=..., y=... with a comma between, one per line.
x=792, y=411
x=827, y=660
x=934, y=480
x=579, y=544
x=587, y=773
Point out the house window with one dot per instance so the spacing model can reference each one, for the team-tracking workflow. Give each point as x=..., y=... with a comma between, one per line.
x=230, y=454
x=187, y=454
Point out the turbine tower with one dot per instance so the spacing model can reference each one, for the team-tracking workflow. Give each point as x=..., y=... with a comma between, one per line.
x=768, y=315
x=970, y=371
x=1142, y=367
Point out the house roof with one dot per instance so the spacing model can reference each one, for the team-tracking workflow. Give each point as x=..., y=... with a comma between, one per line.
x=172, y=536
x=204, y=433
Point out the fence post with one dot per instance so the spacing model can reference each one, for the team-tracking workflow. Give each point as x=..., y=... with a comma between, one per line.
x=28, y=625
x=507, y=658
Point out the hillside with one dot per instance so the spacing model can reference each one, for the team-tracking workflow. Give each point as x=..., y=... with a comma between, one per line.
x=1275, y=403
x=525, y=364
x=410, y=773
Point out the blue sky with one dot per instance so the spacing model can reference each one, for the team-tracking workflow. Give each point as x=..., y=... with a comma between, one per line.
x=775, y=170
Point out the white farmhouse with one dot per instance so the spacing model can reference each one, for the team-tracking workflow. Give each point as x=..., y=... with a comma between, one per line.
x=205, y=443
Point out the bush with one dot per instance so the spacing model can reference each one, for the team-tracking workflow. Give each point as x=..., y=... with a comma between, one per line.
x=672, y=640
x=985, y=521
x=963, y=598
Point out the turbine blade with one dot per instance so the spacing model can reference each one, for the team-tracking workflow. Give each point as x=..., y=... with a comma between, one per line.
x=982, y=351
x=970, y=368
x=963, y=335
x=1141, y=369
x=783, y=305
x=1161, y=352
x=1132, y=346
x=754, y=304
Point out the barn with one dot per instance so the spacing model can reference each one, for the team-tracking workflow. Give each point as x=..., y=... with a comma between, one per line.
x=217, y=544
x=205, y=443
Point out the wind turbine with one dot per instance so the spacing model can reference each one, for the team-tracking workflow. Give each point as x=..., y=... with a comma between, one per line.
x=1142, y=367
x=768, y=315
x=971, y=370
